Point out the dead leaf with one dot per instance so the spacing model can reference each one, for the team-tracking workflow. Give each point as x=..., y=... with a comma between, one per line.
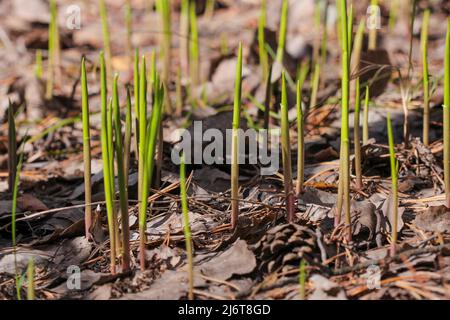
x=28, y=202
x=435, y=219
x=237, y=260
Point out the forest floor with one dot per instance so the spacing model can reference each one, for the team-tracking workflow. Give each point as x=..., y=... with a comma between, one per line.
x=260, y=259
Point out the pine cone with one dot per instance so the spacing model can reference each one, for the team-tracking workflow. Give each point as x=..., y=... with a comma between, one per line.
x=285, y=245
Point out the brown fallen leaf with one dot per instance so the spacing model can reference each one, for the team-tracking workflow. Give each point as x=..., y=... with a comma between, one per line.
x=435, y=219
x=28, y=202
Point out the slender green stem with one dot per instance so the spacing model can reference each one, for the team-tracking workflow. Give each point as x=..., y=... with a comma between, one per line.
x=193, y=46
x=224, y=47
x=317, y=22
x=12, y=147
x=184, y=37
x=148, y=159
x=366, y=117
x=142, y=118
x=355, y=58
x=426, y=86
x=447, y=115
x=300, y=130
x=136, y=102
x=268, y=99
x=356, y=137
x=30, y=278
x=263, y=57
x=106, y=152
x=319, y=60
x=13, y=224
x=121, y=178
x=344, y=177
x=406, y=92
x=393, y=13
x=127, y=139
x=235, y=142
x=286, y=151
x=350, y=32
x=394, y=192
x=105, y=32
x=38, y=64
x=283, y=29
x=179, y=93
x=187, y=229
x=209, y=8
x=163, y=8
x=86, y=150
x=53, y=45
x=357, y=47
x=315, y=85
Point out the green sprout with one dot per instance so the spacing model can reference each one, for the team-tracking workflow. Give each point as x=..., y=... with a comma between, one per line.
x=447, y=115
x=268, y=99
x=235, y=141
x=224, y=48
x=263, y=56
x=393, y=13
x=148, y=150
x=13, y=224
x=366, y=117
x=179, y=93
x=86, y=150
x=38, y=64
x=300, y=130
x=357, y=46
x=356, y=137
x=163, y=8
x=283, y=29
x=107, y=156
x=184, y=36
x=193, y=46
x=142, y=119
x=426, y=86
x=187, y=229
x=344, y=176
x=318, y=61
x=209, y=8
x=394, y=187
x=123, y=195
x=12, y=147
x=53, y=49
x=127, y=138
x=286, y=151
x=136, y=86
x=105, y=32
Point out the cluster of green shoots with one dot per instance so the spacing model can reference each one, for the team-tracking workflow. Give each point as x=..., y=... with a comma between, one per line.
x=116, y=154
